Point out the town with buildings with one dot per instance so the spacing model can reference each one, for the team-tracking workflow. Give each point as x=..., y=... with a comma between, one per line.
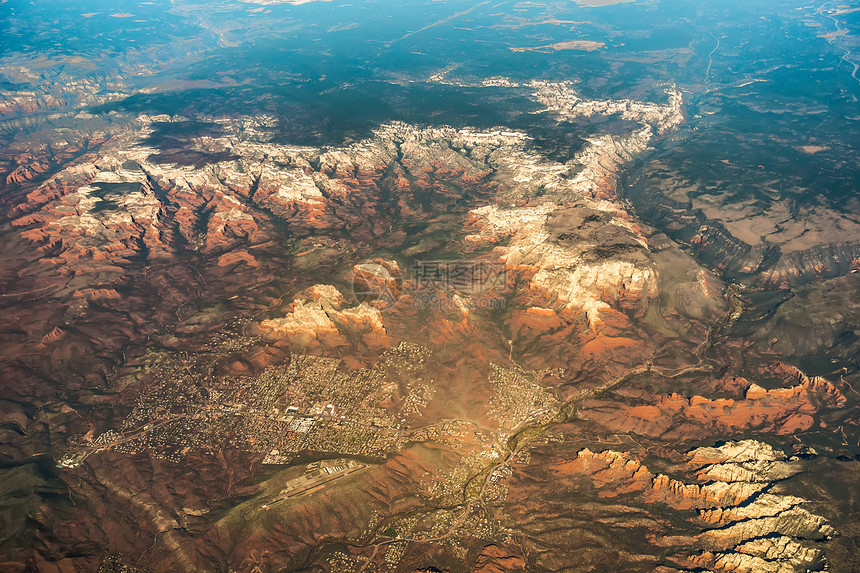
x=310, y=405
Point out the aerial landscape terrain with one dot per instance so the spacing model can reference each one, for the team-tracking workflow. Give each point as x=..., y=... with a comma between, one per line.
x=434, y=286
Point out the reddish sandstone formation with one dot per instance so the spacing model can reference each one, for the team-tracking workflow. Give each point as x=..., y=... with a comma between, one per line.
x=316, y=318
x=747, y=528
x=499, y=559
x=782, y=410
x=615, y=473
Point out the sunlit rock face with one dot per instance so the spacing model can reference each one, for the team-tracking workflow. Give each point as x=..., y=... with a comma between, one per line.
x=780, y=410
x=320, y=319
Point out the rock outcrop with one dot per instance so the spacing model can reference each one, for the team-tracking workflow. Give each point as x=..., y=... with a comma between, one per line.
x=746, y=528
x=780, y=410
x=317, y=317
